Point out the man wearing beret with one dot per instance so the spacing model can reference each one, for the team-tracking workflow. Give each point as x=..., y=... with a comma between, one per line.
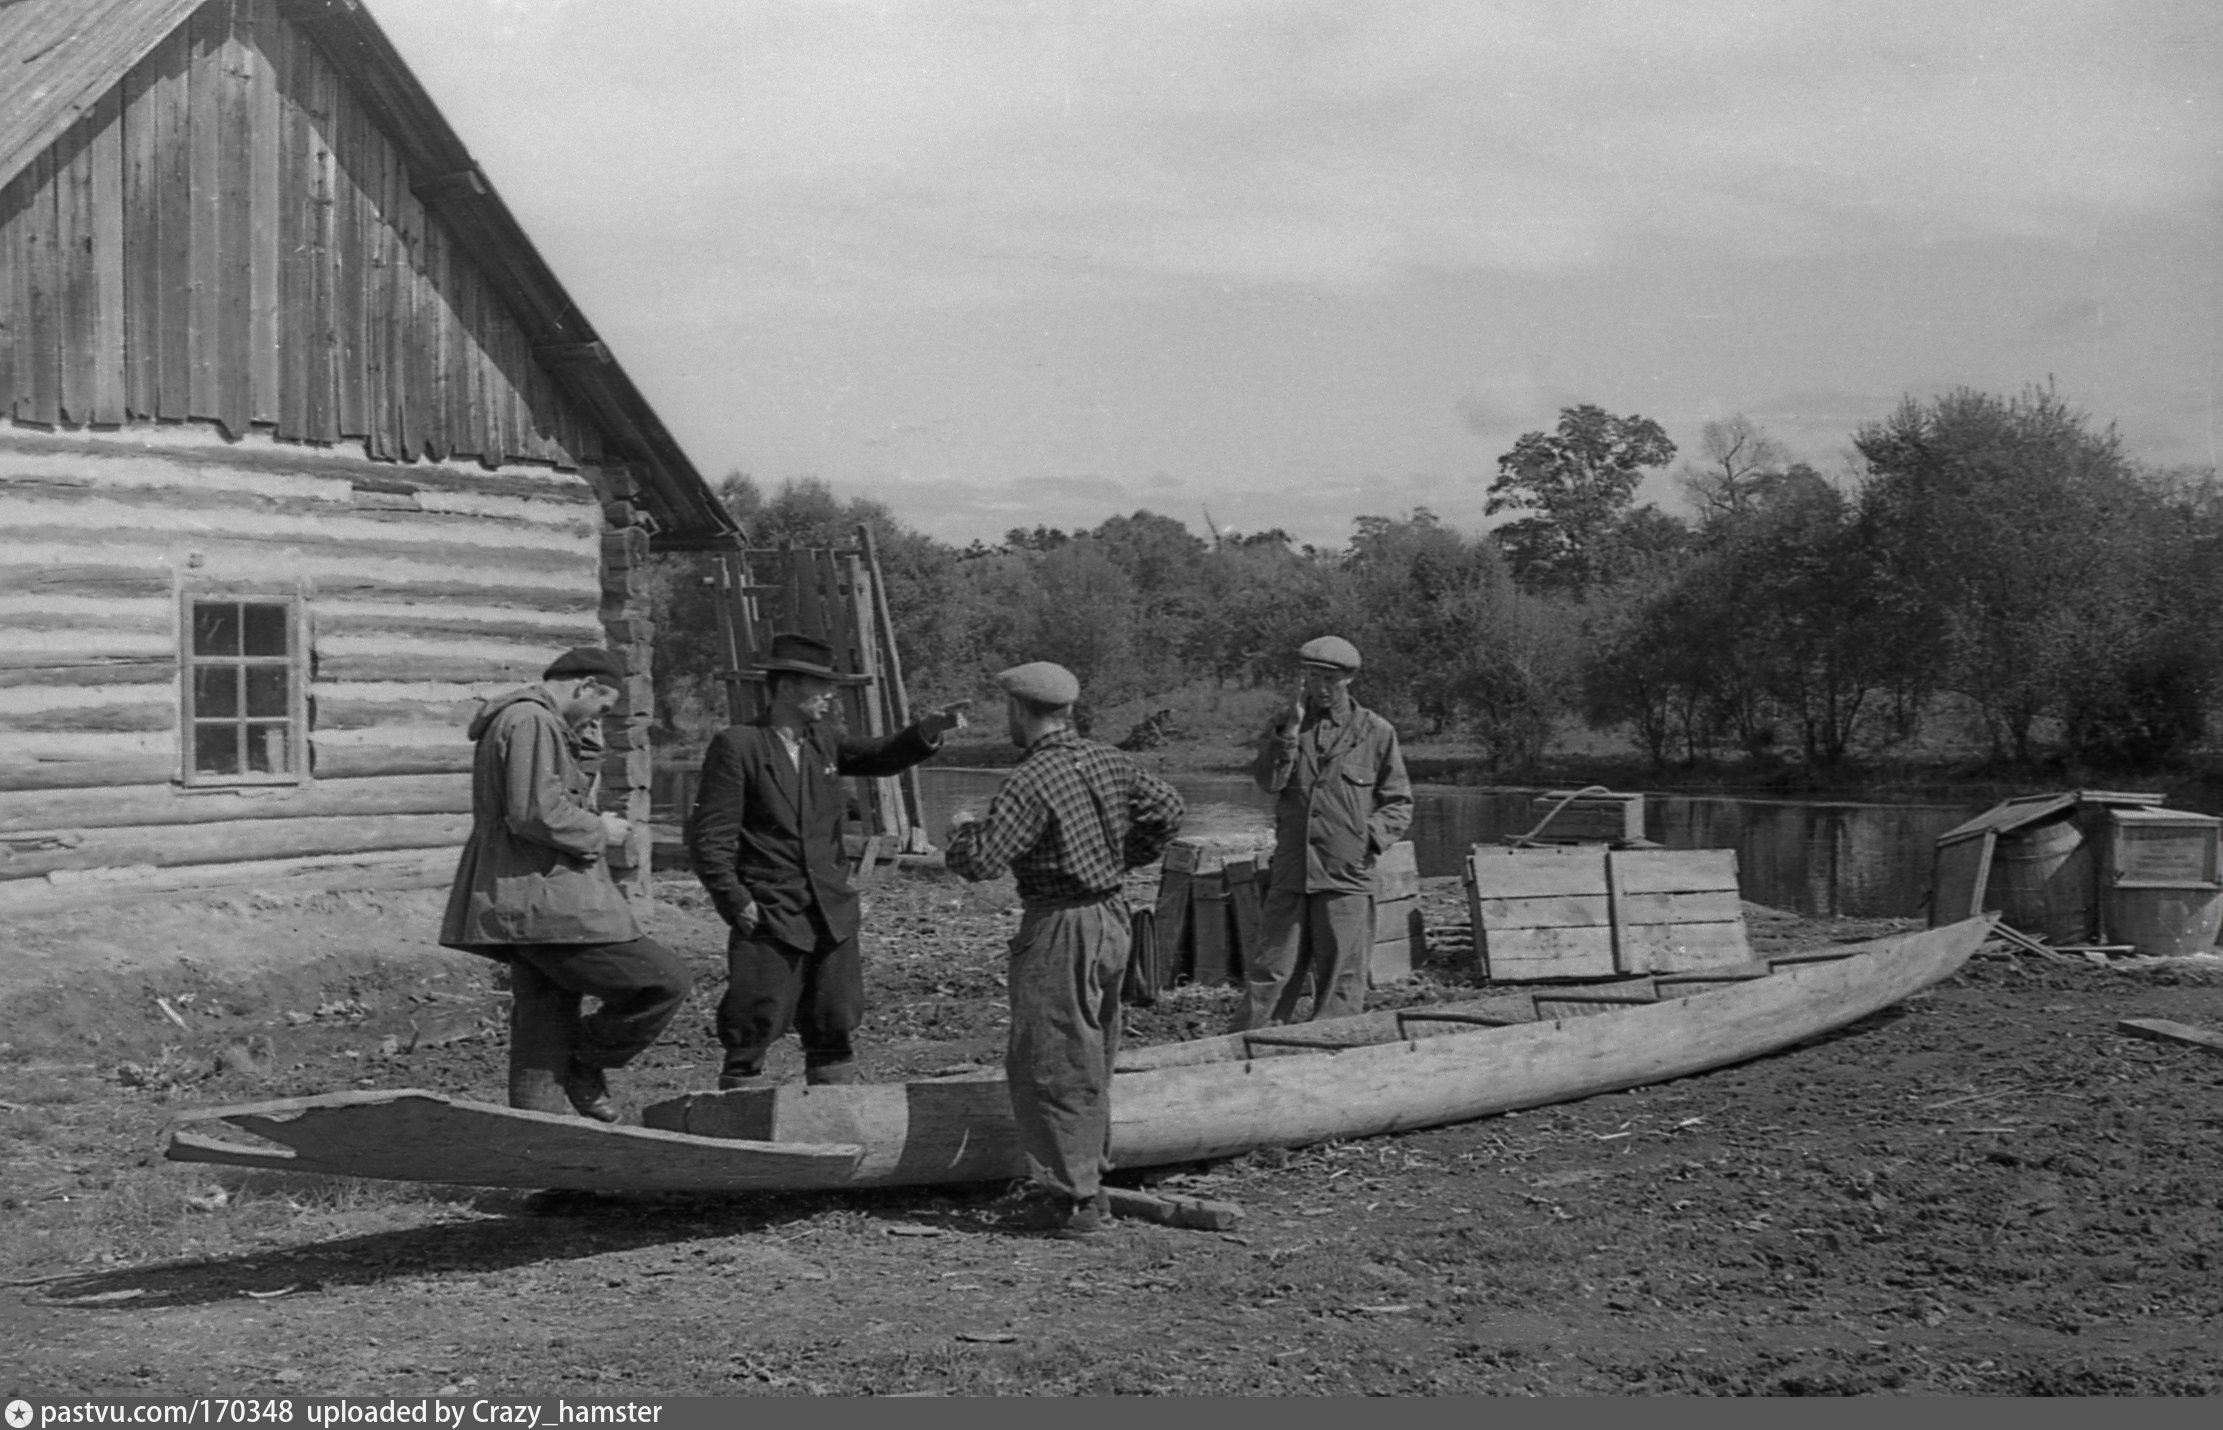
x=765, y=839
x=1341, y=799
x=533, y=890
x=1069, y=823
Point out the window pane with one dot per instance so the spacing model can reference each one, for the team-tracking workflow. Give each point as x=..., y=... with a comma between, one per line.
x=216, y=749
x=266, y=690
x=266, y=630
x=266, y=749
x=215, y=691
x=215, y=628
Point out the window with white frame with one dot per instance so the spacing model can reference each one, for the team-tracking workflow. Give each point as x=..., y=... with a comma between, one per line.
x=244, y=706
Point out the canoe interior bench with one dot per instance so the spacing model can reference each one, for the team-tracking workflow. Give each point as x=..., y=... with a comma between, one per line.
x=1684, y=985
x=1478, y=1020
x=1589, y=1004
x=1680, y=980
x=1304, y=1040
x=1819, y=955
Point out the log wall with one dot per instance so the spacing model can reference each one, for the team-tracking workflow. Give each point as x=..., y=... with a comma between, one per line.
x=420, y=597
x=241, y=353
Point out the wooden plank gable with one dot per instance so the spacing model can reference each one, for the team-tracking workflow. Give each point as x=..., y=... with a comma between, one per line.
x=229, y=235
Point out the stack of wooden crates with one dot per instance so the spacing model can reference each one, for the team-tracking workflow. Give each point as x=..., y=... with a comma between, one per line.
x=1211, y=900
x=1589, y=911
x=1585, y=895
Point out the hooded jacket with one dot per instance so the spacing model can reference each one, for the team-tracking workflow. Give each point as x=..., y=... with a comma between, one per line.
x=532, y=870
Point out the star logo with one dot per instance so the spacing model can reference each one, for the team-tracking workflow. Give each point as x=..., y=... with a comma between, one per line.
x=19, y=1414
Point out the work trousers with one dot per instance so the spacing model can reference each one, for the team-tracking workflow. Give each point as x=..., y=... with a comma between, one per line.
x=1066, y=964
x=641, y=986
x=773, y=986
x=1323, y=940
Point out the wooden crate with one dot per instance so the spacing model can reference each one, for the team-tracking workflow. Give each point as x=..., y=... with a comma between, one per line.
x=1211, y=929
x=1176, y=874
x=1246, y=907
x=1961, y=876
x=1398, y=940
x=1209, y=900
x=1585, y=912
x=1540, y=913
x=1603, y=817
x=1676, y=910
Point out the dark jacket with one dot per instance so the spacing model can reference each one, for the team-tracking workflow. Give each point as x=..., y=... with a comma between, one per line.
x=758, y=831
x=532, y=870
x=1334, y=815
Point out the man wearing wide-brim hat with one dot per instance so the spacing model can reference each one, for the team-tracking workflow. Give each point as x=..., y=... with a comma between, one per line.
x=1068, y=823
x=765, y=839
x=1341, y=798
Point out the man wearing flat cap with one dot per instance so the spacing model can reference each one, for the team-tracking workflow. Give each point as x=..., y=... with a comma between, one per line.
x=765, y=839
x=1069, y=823
x=1341, y=798
x=533, y=890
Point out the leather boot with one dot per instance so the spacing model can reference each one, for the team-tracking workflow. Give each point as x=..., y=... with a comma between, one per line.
x=541, y=1016
x=589, y=1093
x=839, y=1074
x=537, y=1090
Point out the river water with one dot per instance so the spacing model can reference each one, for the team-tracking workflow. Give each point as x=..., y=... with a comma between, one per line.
x=1815, y=858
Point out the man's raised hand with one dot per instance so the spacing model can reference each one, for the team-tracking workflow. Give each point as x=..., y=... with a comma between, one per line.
x=941, y=722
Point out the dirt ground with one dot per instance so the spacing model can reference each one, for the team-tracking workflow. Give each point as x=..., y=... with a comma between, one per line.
x=1985, y=1190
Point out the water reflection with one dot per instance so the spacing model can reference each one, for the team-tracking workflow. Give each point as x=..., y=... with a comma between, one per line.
x=1819, y=859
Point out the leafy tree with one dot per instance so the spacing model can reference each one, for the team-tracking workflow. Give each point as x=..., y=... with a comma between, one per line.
x=1644, y=667
x=1165, y=561
x=1577, y=482
x=1447, y=637
x=2001, y=521
x=1776, y=619
x=2151, y=647
x=1042, y=538
x=1265, y=601
x=1081, y=614
x=690, y=651
x=1271, y=536
x=1821, y=634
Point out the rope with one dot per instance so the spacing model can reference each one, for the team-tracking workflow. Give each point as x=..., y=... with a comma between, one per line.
x=1526, y=840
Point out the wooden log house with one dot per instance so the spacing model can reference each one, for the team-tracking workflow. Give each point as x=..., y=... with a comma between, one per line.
x=303, y=451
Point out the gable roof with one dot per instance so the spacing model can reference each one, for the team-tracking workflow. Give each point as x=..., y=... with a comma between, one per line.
x=57, y=57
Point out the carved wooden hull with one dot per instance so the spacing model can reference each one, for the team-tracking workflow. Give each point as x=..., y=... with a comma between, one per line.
x=414, y=1136
x=1217, y=1097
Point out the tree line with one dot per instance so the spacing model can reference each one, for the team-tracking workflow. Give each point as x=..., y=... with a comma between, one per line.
x=1993, y=563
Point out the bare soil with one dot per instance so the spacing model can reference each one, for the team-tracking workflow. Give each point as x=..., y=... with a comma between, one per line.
x=1985, y=1190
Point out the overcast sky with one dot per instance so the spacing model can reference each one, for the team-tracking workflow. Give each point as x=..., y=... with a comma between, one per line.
x=1000, y=264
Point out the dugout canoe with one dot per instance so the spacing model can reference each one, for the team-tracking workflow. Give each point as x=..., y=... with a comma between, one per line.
x=1389, y=1071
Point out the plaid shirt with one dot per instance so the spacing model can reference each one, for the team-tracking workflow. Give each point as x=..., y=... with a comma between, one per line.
x=1070, y=821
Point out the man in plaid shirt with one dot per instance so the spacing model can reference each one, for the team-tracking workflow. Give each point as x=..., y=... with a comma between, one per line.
x=1069, y=823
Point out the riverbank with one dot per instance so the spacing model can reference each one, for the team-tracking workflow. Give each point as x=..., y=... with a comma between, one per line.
x=1983, y=1191
x=2197, y=787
